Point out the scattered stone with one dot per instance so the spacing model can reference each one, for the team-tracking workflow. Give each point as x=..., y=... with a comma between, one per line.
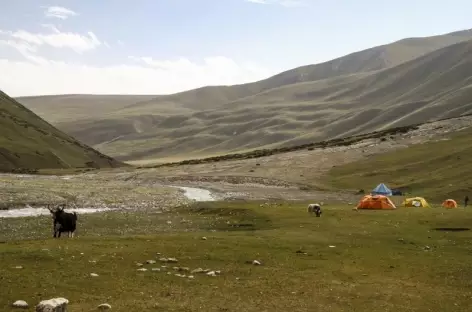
x=204, y=238
x=142, y=269
x=211, y=273
x=199, y=270
x=53, y=305
x=256, y=262
x=139, y=264
x=156, y=269
x=169, y=260
x=104, y=307
x=169, y=222
x=151, y=261
x=427, y=247
x=191, y=277
x=332, y=246
x=401, y=240
x=18, y=267
x=93, y=274
x=20, y=304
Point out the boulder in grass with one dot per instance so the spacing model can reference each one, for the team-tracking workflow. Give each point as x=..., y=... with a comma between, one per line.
x=53, y=305
x=21, y=304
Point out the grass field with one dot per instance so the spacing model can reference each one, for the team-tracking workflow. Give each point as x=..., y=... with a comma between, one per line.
x=382, y=260
x=436, y=170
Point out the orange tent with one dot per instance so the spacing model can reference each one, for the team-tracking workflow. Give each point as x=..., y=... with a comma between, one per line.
x=449, y=204
x=375, y=202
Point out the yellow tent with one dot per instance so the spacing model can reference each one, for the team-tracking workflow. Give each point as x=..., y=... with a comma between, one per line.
x=416, y=202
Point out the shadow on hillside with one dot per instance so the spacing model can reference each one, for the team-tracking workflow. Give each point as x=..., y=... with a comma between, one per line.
x=447, y=229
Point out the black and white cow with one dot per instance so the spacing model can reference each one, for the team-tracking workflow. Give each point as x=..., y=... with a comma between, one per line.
x=63, y=221
x=315, y=208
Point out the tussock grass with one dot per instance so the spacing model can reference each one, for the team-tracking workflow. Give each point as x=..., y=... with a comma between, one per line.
x=383, y=260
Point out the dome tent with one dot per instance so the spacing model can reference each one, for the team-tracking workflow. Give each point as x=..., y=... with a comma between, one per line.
x=416, y=202
x=449, y=204
x=376, y=202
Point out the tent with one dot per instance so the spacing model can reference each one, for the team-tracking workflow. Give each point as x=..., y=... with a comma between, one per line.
x=382, y=189
x=416, y=202
x=449, y=204
x=375, y=202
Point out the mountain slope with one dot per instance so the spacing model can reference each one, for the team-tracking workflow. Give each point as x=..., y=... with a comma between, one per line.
x=435, y=170
x=437, y=85
x=390, y=85
x=28, y=142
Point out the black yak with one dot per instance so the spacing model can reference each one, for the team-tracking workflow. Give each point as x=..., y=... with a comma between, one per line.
x=63, y=221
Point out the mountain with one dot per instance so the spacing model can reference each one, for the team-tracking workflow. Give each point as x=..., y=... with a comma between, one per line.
x=29, y=142
x=388, y=85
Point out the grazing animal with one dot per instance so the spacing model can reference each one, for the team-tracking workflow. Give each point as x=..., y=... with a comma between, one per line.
x=315, y=208
x=63, y=221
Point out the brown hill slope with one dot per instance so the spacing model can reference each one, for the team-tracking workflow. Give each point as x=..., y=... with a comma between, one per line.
x=28, y=142
x=437, y=85
x=343, y=96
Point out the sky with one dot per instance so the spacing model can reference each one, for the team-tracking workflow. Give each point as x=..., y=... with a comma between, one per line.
x=168, y=46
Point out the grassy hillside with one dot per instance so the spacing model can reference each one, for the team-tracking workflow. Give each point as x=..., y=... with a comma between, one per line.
x=436, y=170
x=409, y=81
x=28, y=142
x=437, y=85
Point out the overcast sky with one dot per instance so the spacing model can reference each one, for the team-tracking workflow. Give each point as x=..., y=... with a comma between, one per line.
x=166, y=46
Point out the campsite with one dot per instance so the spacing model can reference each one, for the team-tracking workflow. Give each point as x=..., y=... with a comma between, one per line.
x=235, y=156
x=380, y=258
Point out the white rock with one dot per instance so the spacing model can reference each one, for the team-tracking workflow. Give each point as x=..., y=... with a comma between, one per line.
x=256, y=262
x=211, y=273
x=53, y=305
x=20, y=304
x=199, y=270
x=332, y=246
x=191, y=277
x=142, y=269
x=104, y=307
x=156, y=269
x=139, y=264
x=204, y=238
x=172, y=260
x=18, y=267
x=151, y=261
x=93, y=274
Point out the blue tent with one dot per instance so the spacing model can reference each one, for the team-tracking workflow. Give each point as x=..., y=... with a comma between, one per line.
x=382, y=189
